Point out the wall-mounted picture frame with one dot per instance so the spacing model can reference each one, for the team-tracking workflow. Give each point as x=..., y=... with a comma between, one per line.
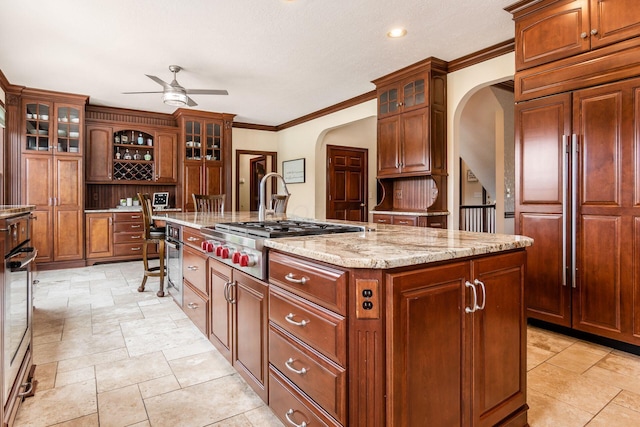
x=293, y=171
x=471, y=177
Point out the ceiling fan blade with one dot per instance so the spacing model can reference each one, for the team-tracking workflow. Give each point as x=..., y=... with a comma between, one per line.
x=159, y=81
x=207, y=92
x=129, y=93
x=191, y=102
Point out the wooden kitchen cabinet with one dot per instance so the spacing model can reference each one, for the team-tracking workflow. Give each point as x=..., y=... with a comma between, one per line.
x=412, y=119
x=166, y=155
x=432, y=221
x=99, y=166
x=457, y=334
x=587, y=285
x=205, y=146
x=99, y=235
x=51, y=176
x=239, y=323
x=552, y=30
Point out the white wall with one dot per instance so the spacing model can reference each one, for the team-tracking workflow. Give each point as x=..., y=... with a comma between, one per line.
x=305, y=141
x=461, y=85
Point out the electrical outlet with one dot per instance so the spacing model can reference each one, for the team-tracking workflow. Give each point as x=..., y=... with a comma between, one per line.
x=367, y=299
x=398, y=194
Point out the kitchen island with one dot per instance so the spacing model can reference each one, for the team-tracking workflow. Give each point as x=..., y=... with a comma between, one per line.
x=389, y=326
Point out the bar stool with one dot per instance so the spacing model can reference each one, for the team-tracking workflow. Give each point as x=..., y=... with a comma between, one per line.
x=210, y=203
x=152, y=236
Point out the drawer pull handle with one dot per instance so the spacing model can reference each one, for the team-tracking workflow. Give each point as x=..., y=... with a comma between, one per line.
x=135, y=216
x=293, y=423
x=192, y=267
x=291, y=278
x=136, y=249
x=292, y=369
x=192, y=305
x=136, y=237
x=136, y=226
x=28, y=388
x=192, y=239
x=289, y=318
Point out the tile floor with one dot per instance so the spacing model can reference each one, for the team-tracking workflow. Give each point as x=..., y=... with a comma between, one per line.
x=107, y=355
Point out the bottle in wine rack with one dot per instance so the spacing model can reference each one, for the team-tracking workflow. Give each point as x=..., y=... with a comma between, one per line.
x=140, y=139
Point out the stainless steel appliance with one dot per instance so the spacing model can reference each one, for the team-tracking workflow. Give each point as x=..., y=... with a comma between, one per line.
x=241, y=244
x=173, y=254
x=16, y=279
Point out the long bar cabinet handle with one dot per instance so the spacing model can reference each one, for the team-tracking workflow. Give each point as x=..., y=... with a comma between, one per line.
x=565, y=188
x=192, y=305
x=291, y=278
x=293, y=423
x=292, y=369
x=574, y=205
x=474, y=304
x=289, y=318
x=231, y=299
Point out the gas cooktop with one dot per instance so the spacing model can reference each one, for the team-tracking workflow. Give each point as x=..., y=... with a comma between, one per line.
x=285, y=228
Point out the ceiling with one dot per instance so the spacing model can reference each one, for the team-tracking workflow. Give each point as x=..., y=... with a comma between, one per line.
x=279, y=60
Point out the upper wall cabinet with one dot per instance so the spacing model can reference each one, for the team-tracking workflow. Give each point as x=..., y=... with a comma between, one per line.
x=412, y=120
x=205, y=143
x=125, y=146
x=53, y=127
x=549, y=30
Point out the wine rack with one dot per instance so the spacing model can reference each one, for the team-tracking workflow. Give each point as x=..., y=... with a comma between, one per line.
x=132, y=170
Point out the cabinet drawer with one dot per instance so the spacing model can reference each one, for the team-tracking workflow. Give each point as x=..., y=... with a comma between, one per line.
x=293, y=407
x=127, y=217
x=382, y=219
x=194, y=269
x=321, y=329
x=127, y=237
x=322, y=380
x=128, y=227
x=322, y=284
x=195, y=307
x=127, y=249
x=192, y=237
x=405, y=220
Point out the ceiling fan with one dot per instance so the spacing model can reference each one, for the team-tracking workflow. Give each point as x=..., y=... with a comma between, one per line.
x=176, y=95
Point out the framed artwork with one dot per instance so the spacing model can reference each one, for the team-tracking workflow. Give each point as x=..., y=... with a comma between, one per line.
x=293, y=171
x=471, y=177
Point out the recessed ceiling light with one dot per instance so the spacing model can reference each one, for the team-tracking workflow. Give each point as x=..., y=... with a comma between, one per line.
x=397, y=32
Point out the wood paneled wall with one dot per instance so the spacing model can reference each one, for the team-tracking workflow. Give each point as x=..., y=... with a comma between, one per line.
x=105, y=196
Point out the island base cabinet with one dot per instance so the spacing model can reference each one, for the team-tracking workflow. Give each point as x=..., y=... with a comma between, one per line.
x=456, y=333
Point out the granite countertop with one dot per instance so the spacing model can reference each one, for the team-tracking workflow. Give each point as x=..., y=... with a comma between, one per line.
x=128, y=209
x=409, y=213
x=380, y=246
x=7, y=211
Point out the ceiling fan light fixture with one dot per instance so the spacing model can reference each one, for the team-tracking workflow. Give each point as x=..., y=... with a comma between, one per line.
x=176, y=99
x=397, y=33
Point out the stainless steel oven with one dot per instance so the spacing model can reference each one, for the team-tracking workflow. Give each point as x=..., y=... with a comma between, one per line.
x=18, y=304
x=173, y=253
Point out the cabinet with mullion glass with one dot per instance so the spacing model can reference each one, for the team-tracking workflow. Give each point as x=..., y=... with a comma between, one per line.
x=37, y=126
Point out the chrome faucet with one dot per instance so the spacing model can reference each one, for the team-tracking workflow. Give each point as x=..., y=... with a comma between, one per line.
x=262, y=210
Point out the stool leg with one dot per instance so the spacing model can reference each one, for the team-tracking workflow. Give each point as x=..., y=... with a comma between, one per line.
x=145, y=263
x=161, y=249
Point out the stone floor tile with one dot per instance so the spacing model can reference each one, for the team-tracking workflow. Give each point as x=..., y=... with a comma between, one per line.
x=72, y=348
x=263, y=416
x=536, y=356
x=628, y=400
x=75, y=376
x=200, y=368
x=197, y=347
x=86, y=421
x=93, y=359
x=545, y=411
x=162, y=339
x=49, y=407
x=547, y=340
x=121, y=407
x=571, y=388
x=202, y=404
x=615, y=379
x=45, y=374
x=616, y=415
x=158, y=386
x=579, y=357
x=126, y=372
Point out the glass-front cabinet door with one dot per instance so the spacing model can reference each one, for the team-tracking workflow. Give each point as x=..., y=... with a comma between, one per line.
x=38, y=126
x=69, y=129
x=193, y=140
x=214, y=141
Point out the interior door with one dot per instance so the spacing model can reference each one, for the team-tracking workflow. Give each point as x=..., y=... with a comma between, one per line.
x=258, y=167
x=347, y=183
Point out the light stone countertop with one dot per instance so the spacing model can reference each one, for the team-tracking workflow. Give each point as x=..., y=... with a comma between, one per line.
x=380, y=246
x=7, y=211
